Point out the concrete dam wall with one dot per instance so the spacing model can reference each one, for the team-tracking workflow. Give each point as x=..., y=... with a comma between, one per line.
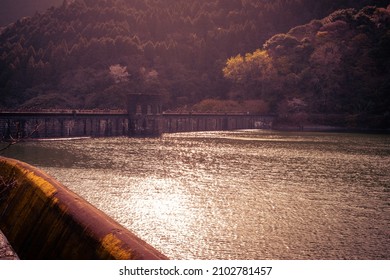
x=19, y=125
x=187, y=122
x=42, y=219
x=63, y=124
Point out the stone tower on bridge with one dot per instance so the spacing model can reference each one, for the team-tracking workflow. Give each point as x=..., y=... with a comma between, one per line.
x=144, y=112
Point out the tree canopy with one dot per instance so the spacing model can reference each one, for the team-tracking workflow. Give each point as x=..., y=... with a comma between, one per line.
x=92, y=52
x=337, y=65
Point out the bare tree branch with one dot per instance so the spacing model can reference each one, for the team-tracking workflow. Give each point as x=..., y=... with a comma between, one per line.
x=12, y=141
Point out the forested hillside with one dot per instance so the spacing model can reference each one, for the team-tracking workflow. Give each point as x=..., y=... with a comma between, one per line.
x=90, y=53
x=339, y=65
x=11, y=10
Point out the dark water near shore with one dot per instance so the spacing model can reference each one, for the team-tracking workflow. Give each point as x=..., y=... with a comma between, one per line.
x=235, y=195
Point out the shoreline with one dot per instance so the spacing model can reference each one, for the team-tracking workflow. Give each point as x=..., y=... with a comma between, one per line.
x=279, y=128
x=324, y=128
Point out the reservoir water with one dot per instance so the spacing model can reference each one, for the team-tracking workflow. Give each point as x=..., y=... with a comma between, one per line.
x=235, y=195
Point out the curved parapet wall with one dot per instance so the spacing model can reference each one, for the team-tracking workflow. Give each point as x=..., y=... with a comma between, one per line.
x=42, y=219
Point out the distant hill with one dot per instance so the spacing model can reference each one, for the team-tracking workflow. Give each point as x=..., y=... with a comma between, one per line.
x=12, y=10
x=90, y=53
x=337, y=69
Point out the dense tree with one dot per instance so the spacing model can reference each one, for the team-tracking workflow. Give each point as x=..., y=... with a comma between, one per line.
x=337, y=65
x=179, y=48
x=11, y=10
x=252, y=73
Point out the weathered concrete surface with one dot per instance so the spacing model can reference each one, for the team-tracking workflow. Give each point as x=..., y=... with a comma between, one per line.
x=6, y=251
x=143, y=118
x=42, y=219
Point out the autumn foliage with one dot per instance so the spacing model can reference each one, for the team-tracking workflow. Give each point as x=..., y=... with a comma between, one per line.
x=337, y=65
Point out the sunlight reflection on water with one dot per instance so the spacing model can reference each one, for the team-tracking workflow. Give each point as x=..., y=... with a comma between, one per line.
x=236, y=195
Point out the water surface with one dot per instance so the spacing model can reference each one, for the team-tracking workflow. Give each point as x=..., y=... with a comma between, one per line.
x=235, y=195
